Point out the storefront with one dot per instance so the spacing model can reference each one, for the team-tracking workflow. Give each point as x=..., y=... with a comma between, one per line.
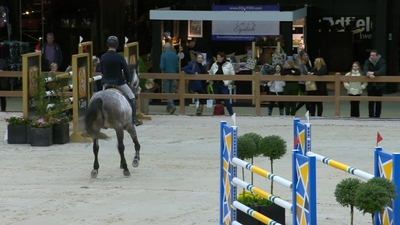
x=340, y=31
x=226, y=34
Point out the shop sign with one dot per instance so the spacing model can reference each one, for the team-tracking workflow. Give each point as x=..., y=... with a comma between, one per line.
x=364, y=23
x=243, y=30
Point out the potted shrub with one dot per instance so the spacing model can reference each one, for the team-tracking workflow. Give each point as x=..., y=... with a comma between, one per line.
x=257, y=203
x=256, y=140
x=59, y=119
x=60, y=130
x=345, y=194
x=247, y=149
x=41, y=132
x=17, y=129
x=374, y=195
x=274, y=147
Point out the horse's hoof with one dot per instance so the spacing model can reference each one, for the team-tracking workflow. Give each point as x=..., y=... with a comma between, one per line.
x=127, y=173
x=94, y=174
x=135, y=163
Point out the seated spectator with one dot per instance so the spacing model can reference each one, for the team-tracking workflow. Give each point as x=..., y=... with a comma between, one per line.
x=197, y=67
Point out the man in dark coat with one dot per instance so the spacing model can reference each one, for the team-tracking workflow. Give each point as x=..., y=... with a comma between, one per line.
x=51, y=53
x=375, y=66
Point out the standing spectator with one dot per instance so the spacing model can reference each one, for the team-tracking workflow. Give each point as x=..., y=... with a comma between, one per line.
x=276, y=88
x=97, y=68
x=305, y=66
x=292, y=87
x=4, y=85
x=169, y=64
x=222, y=67
x=355, y=89
x=319, y=70
x=375, y=66
x=51, y=53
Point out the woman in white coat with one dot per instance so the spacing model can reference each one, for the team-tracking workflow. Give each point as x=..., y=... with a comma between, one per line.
x=355, y=89
x=222, y=67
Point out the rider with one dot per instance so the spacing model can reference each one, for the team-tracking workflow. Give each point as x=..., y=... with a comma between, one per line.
x=111, y=65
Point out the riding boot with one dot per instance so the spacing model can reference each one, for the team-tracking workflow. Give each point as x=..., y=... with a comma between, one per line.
x=199, y=111
x=135, y=120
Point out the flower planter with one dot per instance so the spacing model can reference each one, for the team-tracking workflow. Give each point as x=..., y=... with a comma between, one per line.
x=274, y=212
x=61, y=134
x=16, y=134
x=28, y=134
x=41, y=136
x=243, y=218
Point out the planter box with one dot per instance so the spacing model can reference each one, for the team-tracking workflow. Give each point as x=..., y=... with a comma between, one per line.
x=28, y=134
x=16, y=134
x=61, y=134
x=245, y=219
x=274, y=212
x=41, y=136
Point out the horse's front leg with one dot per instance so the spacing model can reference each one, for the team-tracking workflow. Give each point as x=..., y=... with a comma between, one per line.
x=121, y=149
x=96, y=166
x=132, y=132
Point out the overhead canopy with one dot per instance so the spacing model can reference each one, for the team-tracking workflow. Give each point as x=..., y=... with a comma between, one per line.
x=285, y=16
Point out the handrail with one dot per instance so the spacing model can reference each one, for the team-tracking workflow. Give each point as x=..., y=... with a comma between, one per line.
x=256, y=96
x=337, y=79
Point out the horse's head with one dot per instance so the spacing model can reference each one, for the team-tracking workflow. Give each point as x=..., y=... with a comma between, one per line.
x=135, y=84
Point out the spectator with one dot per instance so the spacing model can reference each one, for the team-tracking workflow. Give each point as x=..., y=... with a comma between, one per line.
x=222, y=67
x=51, y=53
x=4, y=85
x=97, y=69
x=292, y=87
x=197, y=85
x=276, y=88
x=375, y=66
x=169, y=64
x=355, y=89
x=305, y=66
x=319, y=70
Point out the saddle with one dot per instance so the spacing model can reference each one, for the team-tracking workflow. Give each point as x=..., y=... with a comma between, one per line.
x=113, y=88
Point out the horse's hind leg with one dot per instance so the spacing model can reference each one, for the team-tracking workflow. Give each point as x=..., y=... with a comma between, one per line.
x=96, y=166
x=121, y=149
x=132, y=132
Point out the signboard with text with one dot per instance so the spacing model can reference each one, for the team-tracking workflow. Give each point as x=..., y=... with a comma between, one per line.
x=243, y=30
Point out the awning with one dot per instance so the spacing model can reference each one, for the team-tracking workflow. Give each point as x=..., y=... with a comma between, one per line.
x=285, y=16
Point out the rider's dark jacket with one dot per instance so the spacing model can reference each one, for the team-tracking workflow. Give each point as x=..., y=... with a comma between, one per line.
x=111, y=65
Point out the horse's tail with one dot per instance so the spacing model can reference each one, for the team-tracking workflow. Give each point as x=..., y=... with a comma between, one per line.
x=93, y=114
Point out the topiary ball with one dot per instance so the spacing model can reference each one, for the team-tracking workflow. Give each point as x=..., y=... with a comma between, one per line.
x=247, y=149
x=273, y=146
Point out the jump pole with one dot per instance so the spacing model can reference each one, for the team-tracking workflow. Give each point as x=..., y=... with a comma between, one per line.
x=304, y=203
x=386, y=165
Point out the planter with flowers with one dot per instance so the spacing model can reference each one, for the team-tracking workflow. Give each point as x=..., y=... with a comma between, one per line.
x=41, y=132
x=59, y=118
x=17, y=129
x=60, y=130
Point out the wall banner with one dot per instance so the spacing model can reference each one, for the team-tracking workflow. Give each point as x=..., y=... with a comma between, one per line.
x=243, y=30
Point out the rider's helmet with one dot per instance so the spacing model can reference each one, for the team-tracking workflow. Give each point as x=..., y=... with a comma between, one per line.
x=112, y=42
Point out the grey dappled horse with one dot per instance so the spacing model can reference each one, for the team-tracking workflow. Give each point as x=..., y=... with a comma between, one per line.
x=111, y=109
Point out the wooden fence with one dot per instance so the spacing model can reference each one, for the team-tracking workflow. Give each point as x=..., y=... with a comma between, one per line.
x=256, y=96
